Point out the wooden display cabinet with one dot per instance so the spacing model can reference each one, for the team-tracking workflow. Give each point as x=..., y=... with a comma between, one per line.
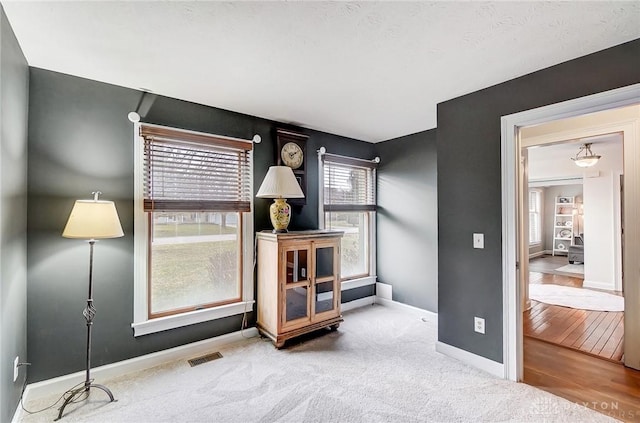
x=298, y=283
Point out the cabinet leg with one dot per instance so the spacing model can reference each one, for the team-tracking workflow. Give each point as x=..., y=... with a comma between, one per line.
x=334, y=327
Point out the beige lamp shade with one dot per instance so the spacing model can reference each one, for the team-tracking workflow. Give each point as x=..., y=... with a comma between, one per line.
x=93, y=219
x=280, y=182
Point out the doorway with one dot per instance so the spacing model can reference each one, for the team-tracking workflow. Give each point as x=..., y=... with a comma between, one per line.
x=571, y=374
x=574, y=212
x=513, y=246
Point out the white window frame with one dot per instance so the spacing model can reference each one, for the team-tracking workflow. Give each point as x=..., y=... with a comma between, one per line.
x=540, y=216
x=142, y=325
x=372, y=278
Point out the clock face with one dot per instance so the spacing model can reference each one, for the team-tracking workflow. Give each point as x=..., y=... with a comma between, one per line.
x=292, y=155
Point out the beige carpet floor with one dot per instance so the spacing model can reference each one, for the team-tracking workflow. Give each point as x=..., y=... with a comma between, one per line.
x=380, y=366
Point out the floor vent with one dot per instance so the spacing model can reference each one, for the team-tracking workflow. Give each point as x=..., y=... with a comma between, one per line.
x=204, y=359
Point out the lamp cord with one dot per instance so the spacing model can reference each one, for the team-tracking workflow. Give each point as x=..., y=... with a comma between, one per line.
x=72, y=390
x=255, y=261
x=64, y=395
x=244, y=315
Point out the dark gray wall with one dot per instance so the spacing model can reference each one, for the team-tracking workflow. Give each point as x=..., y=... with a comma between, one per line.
x=407, y=219
x=80, y=140
x=469, y=187
x=14, y=86
x=357, y=293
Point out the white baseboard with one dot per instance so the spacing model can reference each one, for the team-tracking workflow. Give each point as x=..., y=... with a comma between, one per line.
x=360, y=302
x=384, y=290
x=538, y=254
x=60, y=384
x=405, y=307
x=492, y=367
x=598, y=285
x=17, y=416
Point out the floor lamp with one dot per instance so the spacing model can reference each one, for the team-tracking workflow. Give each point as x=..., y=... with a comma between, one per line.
x=91, y=220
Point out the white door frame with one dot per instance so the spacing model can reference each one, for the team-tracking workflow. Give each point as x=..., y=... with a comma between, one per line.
x=510, y=148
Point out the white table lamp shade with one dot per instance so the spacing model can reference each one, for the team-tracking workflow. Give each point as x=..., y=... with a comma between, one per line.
x=280, y=182
x=91, y=219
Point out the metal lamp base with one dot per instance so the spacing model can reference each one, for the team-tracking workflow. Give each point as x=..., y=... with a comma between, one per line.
x=89, y=313
x=84, y=389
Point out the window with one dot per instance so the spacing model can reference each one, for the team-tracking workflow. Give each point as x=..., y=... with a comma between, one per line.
x=194, y=261
x=535, y=224
x=348, y=204
x=194, y=249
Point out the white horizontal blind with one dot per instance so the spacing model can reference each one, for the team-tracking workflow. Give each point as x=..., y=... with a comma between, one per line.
x=349, y=186
x=533, y=200
x=184, y=171
x=535, y=229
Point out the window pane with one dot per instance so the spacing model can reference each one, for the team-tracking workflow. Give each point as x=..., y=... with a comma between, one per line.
x=533, y=201
x=535, y=227
x=195, y=259
x=354, y=251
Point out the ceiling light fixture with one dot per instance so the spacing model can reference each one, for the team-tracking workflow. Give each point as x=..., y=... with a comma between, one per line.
x=585, y=157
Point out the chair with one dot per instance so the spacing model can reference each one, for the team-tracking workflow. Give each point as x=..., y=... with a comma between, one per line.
x=576, y=251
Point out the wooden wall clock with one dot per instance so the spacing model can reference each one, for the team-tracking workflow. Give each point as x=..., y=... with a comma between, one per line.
x=292, y=151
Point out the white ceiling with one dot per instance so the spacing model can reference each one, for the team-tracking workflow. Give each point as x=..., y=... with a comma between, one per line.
x=553, y=162
x=371, y=71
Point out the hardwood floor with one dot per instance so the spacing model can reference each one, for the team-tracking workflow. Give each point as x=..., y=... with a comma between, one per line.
x=598, y=333
x=601, y=385
x=541, y=277
x=549, y=264
x=564, y=350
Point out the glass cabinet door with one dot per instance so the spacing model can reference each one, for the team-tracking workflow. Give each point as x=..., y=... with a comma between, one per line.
x=296, y=285
x=296, y=307
x=297, y=266
x=324, y=262
x=324, y=295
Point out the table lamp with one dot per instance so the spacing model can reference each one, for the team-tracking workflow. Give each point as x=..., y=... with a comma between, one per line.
x=280, y=183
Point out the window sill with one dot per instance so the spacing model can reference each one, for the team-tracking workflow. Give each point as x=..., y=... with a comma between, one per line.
x=357, y=283
x=184, y=319
x=535, y=244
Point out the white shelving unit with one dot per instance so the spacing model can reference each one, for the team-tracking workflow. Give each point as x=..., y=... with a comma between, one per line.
x=563, y=224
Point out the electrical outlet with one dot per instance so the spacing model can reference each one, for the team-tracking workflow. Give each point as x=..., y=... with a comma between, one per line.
x=478, y=324
x=16, y=366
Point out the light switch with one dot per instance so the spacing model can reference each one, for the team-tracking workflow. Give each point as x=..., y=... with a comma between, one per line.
x=478, y=240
